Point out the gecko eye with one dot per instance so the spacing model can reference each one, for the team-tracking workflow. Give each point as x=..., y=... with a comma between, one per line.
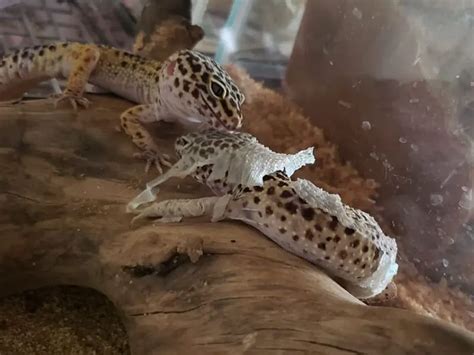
x=218, y=90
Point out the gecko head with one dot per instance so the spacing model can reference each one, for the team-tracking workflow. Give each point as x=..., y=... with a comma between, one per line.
x=195, y=86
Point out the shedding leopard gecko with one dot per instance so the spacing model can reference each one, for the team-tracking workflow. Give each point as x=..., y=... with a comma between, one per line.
x=300, y=217
x=188, y=87
x=226, y=158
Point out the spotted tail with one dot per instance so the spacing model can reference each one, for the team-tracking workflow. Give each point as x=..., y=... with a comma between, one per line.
x=26, y=67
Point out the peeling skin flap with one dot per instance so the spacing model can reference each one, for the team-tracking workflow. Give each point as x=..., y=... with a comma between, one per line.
x=180, y=170
x=246, y=165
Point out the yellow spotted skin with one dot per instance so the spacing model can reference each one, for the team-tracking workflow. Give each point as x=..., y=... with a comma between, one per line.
x=188, y=87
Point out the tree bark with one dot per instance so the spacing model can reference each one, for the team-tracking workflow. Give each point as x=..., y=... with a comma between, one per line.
x=193, y=286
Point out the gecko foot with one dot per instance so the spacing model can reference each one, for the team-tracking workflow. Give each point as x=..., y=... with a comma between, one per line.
x=74, y=100
x=150, y=214
x=154, y=158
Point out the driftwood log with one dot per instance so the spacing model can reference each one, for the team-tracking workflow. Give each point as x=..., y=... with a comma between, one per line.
x=194, y=286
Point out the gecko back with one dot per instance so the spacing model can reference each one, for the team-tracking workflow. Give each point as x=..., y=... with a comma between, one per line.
x=318, y=227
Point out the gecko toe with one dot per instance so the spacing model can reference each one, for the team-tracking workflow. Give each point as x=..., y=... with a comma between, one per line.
x=74, y=101
x=154, y=158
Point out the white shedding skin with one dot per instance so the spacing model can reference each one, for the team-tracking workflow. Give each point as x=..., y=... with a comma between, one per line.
x=175, y=210
x=239, y=163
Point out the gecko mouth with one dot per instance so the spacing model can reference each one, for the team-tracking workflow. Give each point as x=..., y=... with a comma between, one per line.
x=210, y=109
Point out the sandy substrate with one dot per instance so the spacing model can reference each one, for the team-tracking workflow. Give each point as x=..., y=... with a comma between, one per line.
x=60, y=320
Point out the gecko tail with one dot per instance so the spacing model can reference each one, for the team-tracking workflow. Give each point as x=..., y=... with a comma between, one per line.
x=26, y=67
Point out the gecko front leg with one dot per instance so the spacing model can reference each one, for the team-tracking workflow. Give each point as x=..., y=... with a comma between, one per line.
x=131, y=122
x=79, y=67
x=175, y=210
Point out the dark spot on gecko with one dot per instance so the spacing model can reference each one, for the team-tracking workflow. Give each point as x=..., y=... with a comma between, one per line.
x=232, y=240
x=205, y=77
x=291, y=207
x=281, y=184
x=322, y=246
x=182, y=69
x=282, y=230
x=356, y=261
x=176, y=82
x=15, y=58
x=271, y=190
x=64, y=45
x=260, y=215
x=364, y=266
x=201, y=87
x=295, y=238
x=196, y=68
x=226, y=108
x=258, y=188
x=139, y=135
x=318, y=227
x=265, y=225
x=309, y=235
x=327, y=257
x=41, y=53
x=195, y=93
x=349, y=231
x=337, y=239
x=355, y=243
x=377, y=254
x=283, y=218
x=308, y=213
x=247, y=189
x=256, y=199
x=268, y=177
x=268, y=210
x=52, y=48
x=286, y=194
x=186, y=85
x=333, y=224
x=328, y=239
x=365, y=248
x=343, y=254
x=124, y=64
